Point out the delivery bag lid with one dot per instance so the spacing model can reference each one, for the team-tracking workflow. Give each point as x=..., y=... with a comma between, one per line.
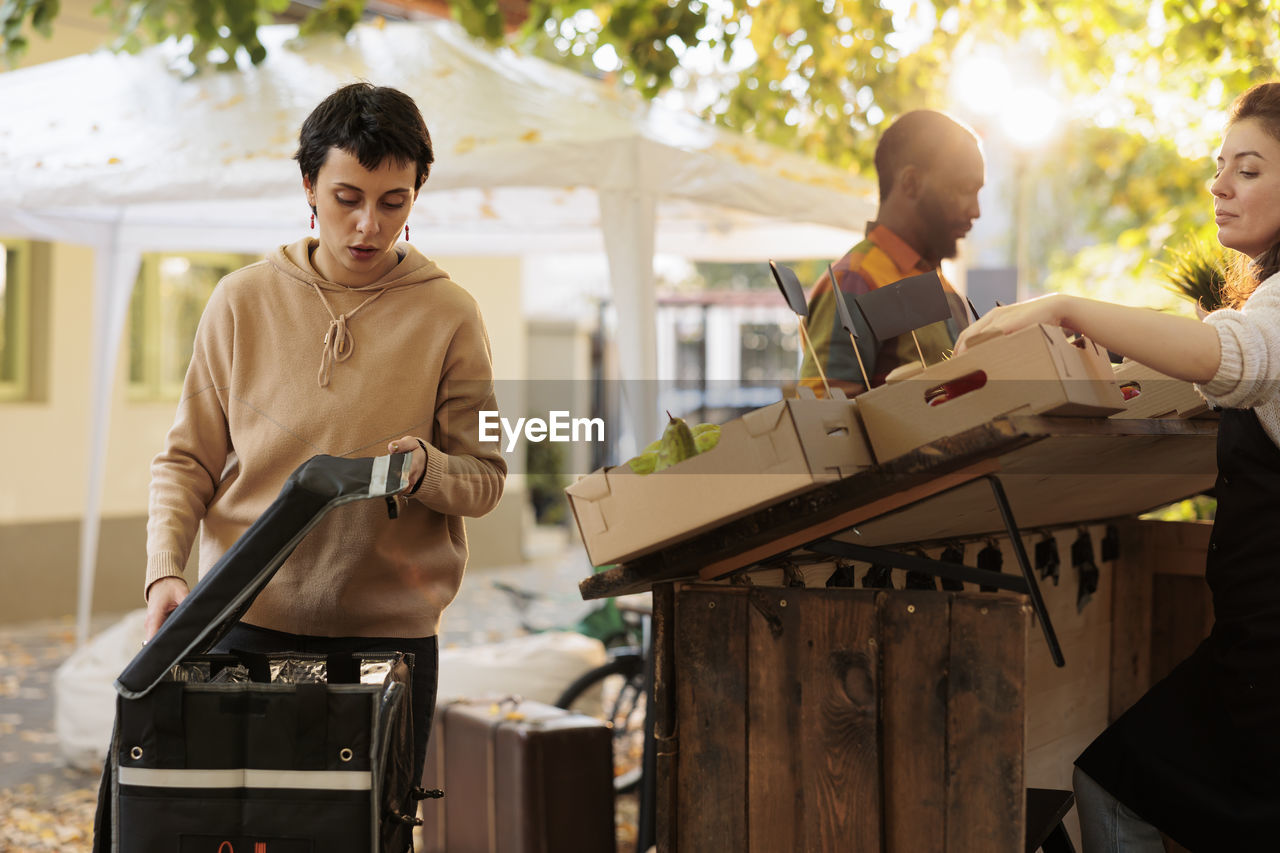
x=217, y=602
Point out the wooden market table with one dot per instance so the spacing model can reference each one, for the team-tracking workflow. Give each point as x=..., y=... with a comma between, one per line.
x=789, y=718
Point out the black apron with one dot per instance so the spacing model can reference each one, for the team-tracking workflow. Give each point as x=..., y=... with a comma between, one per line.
x=1199, y=755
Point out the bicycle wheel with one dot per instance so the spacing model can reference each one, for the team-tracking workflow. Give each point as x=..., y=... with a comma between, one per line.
x=615, y=694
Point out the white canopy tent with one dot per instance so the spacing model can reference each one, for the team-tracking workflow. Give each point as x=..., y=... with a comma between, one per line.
x=125, y=154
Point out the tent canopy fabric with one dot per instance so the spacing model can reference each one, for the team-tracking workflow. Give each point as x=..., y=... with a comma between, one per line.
x=129, y=154
x=164, y=153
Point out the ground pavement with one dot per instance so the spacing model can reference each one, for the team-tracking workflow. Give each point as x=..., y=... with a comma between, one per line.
x=46, y=806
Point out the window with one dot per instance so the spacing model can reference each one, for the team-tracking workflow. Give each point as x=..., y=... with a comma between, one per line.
x=691, y=344
x=168, y=299
x=769, y=351
x=21, y=312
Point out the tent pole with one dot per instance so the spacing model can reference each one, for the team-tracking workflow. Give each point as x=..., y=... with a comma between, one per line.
x=629, y=219
x=115, y=270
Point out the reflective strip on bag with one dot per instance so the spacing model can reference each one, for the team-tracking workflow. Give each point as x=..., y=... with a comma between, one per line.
x=311, y=780
x=378, y=477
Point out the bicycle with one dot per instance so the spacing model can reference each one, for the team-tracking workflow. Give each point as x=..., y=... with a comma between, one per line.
x=617, y=690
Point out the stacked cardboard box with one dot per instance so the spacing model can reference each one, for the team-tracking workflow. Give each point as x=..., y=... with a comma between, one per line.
x=1150, y=394
x=1037, y=370
x=763, y=456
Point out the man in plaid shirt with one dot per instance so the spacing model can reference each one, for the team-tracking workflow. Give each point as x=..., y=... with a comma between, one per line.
x=930, y=169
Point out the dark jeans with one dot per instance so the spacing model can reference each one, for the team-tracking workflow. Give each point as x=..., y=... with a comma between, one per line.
x=1108, y=825
x=426, y=665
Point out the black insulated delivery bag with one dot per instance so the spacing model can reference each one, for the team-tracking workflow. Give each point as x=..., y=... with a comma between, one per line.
x=242, y=753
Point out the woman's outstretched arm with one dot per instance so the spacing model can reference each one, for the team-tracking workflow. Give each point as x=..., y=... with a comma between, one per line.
x=1176, y=346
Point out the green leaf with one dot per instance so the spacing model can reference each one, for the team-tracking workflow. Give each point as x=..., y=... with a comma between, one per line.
x=43, y=15
x=1197, y=271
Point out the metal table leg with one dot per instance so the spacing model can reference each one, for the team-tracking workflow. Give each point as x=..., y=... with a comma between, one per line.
x=1026, y=584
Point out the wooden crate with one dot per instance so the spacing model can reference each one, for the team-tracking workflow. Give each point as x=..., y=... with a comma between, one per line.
x=1163, y=608
x=835, y=719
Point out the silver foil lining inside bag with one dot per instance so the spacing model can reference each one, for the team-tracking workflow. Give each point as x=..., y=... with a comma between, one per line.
x=231, y=675
x=298, y=670
x=198, y=672
x=190, y=671
x=289, y=669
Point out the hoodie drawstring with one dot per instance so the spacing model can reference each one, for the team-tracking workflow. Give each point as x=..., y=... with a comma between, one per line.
x=338, y=342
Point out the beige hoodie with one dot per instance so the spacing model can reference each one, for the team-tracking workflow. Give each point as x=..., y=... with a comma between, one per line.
x=414, y=360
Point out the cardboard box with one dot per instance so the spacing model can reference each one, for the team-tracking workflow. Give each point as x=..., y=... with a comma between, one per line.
x=1037, y=370
x=762, y=457
x=1150, y=394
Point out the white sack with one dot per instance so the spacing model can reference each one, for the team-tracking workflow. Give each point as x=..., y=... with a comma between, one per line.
x=537, y=667
x=84, y=695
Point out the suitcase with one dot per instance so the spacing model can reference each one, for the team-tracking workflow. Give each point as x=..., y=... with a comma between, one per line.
x=284, y=753
x=518, y=777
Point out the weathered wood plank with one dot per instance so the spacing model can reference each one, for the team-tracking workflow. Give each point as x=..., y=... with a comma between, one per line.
x=1181, y=617
x=846, y=520
x=1051, y=425
x=666, y=742
x=759, y=528
x=840, y=756
x=711, y=698
x=1075, y=699
x=1130, y=618
x=985, y=717
x=1148, y=637
x=915, y=651
x=775, y=806
x=1038, y=499
x=1001, y=438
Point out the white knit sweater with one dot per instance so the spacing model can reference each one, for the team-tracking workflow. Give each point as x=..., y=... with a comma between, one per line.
x=1248, y=374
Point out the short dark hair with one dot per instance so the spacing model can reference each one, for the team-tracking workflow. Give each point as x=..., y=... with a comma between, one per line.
x=917, y=138
x=371, y=123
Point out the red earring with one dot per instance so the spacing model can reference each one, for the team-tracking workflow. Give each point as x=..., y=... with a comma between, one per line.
x=406, y=230
x=313, y=222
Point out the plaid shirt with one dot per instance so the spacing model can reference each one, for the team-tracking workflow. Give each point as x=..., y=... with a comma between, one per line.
x=881, y=259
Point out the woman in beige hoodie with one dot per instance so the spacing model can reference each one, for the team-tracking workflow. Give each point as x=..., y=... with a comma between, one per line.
x=350, y=343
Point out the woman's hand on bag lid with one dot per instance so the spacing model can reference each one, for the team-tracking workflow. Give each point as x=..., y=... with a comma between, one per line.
x=163, y=597
x=417, y=458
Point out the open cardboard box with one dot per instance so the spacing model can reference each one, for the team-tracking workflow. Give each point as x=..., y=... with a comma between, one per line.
x=1157, y=395
x=763, y=456
x=1037, y=370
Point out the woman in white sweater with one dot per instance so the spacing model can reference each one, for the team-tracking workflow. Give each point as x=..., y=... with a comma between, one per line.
x=1198, y=757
